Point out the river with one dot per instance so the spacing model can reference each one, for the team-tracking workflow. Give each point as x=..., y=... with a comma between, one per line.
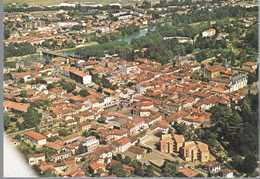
x=128, y=39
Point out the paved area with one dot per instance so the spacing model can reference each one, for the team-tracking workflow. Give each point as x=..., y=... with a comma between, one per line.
x=156, y=157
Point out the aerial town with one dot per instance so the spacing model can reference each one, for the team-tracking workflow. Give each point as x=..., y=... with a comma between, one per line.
x=134, y=88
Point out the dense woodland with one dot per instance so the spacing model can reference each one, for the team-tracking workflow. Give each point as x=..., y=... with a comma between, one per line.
x=234, y=133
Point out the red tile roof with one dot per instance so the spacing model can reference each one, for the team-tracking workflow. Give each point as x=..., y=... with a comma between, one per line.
x=187, y=172
x=34, y=135
x=16, y=106
x=123, y=141
x=57, y=145
x=96, y=165
x=75, y=71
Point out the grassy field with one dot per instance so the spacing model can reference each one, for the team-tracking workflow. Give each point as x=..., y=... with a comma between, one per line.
x=54, y=2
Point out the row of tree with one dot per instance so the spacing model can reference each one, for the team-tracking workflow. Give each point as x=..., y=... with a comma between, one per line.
x=198, y=15
x=19, y=49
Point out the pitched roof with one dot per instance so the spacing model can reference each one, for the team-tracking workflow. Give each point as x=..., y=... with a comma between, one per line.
x=17, y=106
x=44, y=166
x=118, y=132
x=164, y=124
x=99, y=151
x=122, y=141
x=249, y=63
x=57, y=145
x=96, y=165
x=187, y=172
x=75, y=71
x=34, y=135
x=36, y=155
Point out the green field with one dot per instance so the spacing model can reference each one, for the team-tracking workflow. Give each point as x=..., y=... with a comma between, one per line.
x=54, y=2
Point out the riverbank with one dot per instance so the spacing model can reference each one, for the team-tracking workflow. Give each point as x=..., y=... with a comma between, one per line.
x=77, y=47
x=127, y=39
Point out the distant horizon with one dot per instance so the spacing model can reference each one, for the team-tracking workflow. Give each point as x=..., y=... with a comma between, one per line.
x=56, y=2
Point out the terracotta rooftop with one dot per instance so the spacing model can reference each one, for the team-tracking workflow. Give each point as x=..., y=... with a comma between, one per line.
x=164, y=124
x=75, y=71
x=96, y=165
x=44, y=166
x=34, y=135
x=16, y=106
x=249, y=63
x=187, y=172
x=216, y=68
x=57, y=145
x=122, y=141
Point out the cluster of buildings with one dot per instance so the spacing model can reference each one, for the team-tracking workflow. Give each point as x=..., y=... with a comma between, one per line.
x=94, y=109
x=61, y=28
x=190, y=151
x=146, y=98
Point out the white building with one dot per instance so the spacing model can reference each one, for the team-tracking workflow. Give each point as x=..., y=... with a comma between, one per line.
x=87, y=79
x=36, y=159
x=209, y=33
x=237, y=82
x=77, y=75
x=35, y=138
x=91, y=143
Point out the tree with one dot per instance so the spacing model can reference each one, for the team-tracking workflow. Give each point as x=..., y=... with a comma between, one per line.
x=252, y=37
x=83, y=93
x=68, y=86
x=7, y=120
x=249, y=164
x=180, y=127
x=19, y=49
x=48, y=174
x=50, y=44
x=126, y=160
x=70, y=44
x=252, y=78
x=135, y=163
x=7, y=33
x=31, y=118
x=23, y=94
x=8, y=76
x=88, y=133
x=149, y=171
x=140, y=171
x=117, y=169
x=50, y=86
x=118, y=157
x=64, y=132
x=81, y=149
x=169, y=169
x=101, y=120
x=235, y=130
